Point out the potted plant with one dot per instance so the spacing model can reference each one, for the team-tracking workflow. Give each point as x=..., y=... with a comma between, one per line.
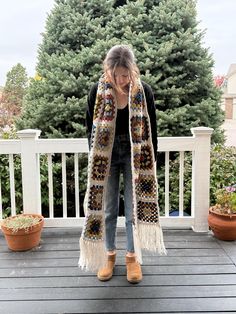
x=22, y=232
x=222, y=216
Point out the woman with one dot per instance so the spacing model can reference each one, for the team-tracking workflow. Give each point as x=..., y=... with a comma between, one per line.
x=122, y=132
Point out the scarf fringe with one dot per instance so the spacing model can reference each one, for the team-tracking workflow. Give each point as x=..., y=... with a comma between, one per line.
x=137, y=246
x=93, y=255
x=151, y=238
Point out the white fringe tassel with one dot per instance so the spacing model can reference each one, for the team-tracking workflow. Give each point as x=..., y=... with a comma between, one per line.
x=137, y=246
x=93, y=255
x=151, y=238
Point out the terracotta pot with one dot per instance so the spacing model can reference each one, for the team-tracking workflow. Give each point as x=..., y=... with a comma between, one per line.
x=23, y=240
x=222, y=225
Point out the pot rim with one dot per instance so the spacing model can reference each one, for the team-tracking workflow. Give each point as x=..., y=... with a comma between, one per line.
x=3, y=226
x=220, y=214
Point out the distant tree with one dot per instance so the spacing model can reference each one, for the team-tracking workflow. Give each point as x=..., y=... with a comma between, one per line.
x=13, y=94
x=220, y=81
x=168, y=46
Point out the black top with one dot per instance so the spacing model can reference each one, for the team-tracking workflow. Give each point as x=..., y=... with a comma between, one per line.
x=122, y=119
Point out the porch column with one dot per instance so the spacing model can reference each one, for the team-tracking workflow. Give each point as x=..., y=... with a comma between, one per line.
x=30, y=171
x=201, y=177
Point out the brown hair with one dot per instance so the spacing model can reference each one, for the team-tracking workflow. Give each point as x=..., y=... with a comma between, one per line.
x=121, y=56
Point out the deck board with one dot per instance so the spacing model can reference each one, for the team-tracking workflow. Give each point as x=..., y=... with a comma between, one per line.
x=197, y=276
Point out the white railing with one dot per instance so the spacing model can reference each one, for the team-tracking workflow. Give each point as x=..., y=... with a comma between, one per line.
x=30, y=146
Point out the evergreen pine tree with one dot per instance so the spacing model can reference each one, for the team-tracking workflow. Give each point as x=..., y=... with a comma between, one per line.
x=13, y=94
x=169, y=52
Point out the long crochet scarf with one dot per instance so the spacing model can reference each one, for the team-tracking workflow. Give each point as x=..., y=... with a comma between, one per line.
x=147, y=232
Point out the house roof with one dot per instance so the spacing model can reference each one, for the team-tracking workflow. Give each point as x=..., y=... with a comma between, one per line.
x=232, y=70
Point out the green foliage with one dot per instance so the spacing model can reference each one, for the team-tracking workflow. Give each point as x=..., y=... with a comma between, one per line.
x=168, y=47
x=222, y=174
x=8, y=132
x=174, y=183
x=13, y=94
x=5, y=184
x=16, y=84
x=226, y=200
x=57, y=184
x=223, y=169
x=167, y=42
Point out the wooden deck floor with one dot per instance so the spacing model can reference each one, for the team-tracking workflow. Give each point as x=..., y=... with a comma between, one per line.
x=197, y=276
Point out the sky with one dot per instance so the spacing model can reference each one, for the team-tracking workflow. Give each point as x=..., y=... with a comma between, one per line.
x=22, y=22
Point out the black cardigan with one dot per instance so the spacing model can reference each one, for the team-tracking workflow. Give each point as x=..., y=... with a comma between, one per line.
x=150, y=107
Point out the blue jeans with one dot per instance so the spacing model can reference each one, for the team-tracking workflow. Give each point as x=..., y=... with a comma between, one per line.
x=120, y=163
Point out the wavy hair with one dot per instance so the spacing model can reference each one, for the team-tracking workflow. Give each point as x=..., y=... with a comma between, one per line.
x=121, y=56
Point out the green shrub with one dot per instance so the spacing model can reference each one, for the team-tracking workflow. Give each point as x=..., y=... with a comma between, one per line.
x=5, y=184
x=174, y=183
x=223, y=169
x=9, y=132
x=57, y=184
x=222, y=173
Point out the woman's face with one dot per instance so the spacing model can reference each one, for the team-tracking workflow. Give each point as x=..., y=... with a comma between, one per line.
x=122, y=77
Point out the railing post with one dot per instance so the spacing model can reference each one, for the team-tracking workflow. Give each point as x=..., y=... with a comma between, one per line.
x=201, y=177
x=30, y=171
